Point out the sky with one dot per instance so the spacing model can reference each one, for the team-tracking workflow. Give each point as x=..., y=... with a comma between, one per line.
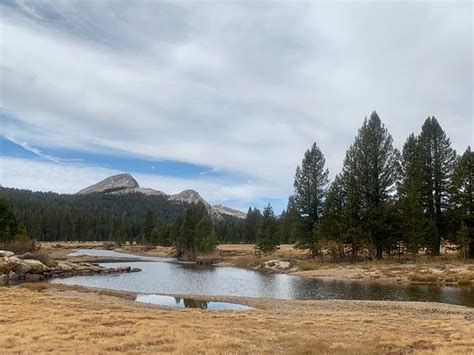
x=220, y=97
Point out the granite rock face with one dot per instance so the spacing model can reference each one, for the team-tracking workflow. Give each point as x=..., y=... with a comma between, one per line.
x=111, y=184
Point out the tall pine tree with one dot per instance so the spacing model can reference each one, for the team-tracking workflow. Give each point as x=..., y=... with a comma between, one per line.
x=417, y=229
x=437, y=162
x=369, y=175
x=462, y=201
x=311, y=181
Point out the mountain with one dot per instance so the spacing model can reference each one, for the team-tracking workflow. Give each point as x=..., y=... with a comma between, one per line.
x=224, y=210
x=113, y=183
x=126, y=184
x=188, y=196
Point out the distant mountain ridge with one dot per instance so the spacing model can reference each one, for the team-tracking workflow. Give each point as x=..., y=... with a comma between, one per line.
x=126, y=184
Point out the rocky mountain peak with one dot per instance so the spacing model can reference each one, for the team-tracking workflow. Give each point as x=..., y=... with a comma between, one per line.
x=113, y=183
x=189, y=196
x=123, y=184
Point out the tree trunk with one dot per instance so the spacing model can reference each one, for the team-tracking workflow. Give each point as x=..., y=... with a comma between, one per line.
x=379, y=253
x=471, y=250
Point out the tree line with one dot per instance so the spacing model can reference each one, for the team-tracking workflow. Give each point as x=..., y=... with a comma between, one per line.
x=385, y=201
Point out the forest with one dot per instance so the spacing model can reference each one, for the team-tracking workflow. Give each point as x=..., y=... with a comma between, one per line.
x=384, y=201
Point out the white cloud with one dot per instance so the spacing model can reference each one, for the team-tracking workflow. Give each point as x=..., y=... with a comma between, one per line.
x=245, y=87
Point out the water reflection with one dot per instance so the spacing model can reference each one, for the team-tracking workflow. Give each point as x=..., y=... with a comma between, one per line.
x=162, y=276
x=177, y=302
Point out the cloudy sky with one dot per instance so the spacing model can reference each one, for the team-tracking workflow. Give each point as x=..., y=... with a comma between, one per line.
x=222, y=97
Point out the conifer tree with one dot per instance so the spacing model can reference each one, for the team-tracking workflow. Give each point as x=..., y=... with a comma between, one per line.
x=369, y=175
x=437, y=161
x=462, y=200
x=251, y=225
x=205, y=238
x=148, y=226
x=8, y=221
x=417, y=229
x=333, y=224
x=311, y=180
x=267, y=239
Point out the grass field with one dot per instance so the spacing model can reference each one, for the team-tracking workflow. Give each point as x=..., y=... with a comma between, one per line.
x=63, y=320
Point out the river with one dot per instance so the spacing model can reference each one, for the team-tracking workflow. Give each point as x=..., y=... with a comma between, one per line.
x=166, y=276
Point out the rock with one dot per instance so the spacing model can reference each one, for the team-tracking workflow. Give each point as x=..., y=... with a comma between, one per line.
x=13, y=276
x=63, y=267
x=112, y=183
x=6, y=253
x=27, y=255
x=5, y=267
x=135, y=269
x=35, y=266
x=33, y=277
x=123, y=269
x=3, y=279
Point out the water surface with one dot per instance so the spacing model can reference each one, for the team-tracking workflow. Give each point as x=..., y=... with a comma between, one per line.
x=177, y=302
x=165, y=276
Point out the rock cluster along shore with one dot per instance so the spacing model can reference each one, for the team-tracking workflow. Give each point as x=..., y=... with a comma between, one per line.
x=15, y=268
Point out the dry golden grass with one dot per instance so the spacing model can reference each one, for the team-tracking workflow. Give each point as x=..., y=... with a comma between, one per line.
x=65, y=320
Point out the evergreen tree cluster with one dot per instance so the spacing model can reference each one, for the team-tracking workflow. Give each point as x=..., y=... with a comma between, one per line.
x=191, y=233
x=383, y=200
x=49, y=216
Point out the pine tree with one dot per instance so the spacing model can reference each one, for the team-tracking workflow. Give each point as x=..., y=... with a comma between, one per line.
x=205, y=238
x=295, y=222
x=352, y=200
x=148, y=226
x=417, y=229
x=437, y=161
x=251, y=225
x=8, y=222
x=333, y=224
x=462, y=200
x=267, y=239
x=369, y=175
x=311, y=180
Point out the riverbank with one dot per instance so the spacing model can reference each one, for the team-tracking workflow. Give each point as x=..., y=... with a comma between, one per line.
x=43, y=318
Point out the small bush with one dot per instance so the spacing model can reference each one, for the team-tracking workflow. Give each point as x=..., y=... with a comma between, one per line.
x=307, y=265
x=21, y=244
x=423, y=277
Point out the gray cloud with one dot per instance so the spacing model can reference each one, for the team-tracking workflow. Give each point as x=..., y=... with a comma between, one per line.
x=236, y=86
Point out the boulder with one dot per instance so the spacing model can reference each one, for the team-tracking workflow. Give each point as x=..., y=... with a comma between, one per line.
x=63, y=267
x=6, y=253
x=13, y=276
x=123, y=269
x=35, y=266
x=3, y=279
x=23, y=266
x=33, y=277
x=5, y=267
x=27, y=255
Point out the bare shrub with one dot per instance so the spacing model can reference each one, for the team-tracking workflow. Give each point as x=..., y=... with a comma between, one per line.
x=21, y=244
